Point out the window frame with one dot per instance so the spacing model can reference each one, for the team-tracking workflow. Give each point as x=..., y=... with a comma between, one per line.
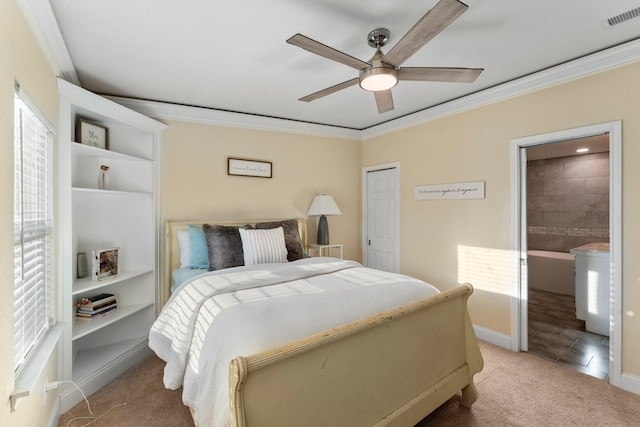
x=27, y=343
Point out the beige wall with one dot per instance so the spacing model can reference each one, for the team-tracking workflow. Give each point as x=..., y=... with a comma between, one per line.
x=195, y=185
x=440, y=238
x=20, y=59
x=441, y=241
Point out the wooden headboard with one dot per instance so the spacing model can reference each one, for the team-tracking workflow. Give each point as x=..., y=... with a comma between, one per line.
x=172, y=249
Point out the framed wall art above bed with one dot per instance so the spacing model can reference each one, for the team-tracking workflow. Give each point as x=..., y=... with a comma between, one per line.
x=247, y=167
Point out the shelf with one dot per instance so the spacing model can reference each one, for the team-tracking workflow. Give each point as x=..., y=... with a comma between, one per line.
x=89, y=151
x=83, y=285
x=124, y=216
x=88, y=362
x=111, y=192
x=86, y=327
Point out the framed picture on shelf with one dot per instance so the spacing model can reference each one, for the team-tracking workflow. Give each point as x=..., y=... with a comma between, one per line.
x=93, y=134
x=105, y=264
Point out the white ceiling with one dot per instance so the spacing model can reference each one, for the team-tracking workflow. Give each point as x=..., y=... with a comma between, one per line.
x=232, y=55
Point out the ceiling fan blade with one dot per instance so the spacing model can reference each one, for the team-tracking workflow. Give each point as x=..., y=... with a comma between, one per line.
x=384, y=99
x=434, y=21
x=326, y=51
x=439, y=74
x=330, y=90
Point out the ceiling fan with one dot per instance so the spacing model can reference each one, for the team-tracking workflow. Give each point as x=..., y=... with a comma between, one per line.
x=382, y=72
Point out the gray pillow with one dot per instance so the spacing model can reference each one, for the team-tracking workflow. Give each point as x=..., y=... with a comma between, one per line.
x=291, y=236
x=224, y=246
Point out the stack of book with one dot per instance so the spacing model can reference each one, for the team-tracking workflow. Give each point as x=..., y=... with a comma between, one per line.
x=96, y=306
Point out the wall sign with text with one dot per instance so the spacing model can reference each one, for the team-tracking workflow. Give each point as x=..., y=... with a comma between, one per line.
x=245, y=167
x=461, y=190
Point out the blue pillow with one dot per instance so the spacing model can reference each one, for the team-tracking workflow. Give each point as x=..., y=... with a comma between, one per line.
x=199, y=257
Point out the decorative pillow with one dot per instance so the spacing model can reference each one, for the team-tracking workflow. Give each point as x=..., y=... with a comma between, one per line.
x=197, y=247
x=183, y=243
x=225, y=246
x=263, y=246
x=291, y=236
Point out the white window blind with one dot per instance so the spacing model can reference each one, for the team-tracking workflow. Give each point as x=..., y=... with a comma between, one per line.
x=33, y=220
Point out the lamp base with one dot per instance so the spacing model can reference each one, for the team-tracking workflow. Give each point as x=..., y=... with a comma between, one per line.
x=323, y=231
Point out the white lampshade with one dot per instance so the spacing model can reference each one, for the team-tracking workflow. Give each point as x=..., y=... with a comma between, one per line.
x=323, y=205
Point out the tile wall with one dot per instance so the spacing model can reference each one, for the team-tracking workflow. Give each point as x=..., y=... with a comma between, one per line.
x=568, y=202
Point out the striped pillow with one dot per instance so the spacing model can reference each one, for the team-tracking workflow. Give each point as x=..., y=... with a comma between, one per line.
x=263, y=246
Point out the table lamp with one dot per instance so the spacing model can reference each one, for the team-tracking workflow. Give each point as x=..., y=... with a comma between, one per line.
x=323, y=205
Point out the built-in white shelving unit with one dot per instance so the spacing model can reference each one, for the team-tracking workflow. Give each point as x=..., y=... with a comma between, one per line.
x=124, y=216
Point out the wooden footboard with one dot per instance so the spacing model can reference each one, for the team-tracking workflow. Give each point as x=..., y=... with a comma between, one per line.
x=391, y=369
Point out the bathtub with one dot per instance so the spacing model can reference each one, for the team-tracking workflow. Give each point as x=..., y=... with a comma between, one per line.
x=552, y=271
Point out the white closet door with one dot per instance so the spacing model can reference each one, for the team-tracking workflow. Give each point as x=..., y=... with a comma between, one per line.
x=382, y=238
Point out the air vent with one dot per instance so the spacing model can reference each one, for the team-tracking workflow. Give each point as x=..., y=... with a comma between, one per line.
x=633, y=13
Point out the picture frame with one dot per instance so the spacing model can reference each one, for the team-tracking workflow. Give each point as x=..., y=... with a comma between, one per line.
x=105, y=264
x=248, y=167
x=91, y=133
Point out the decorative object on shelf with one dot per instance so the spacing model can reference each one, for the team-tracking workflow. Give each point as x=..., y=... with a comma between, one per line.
x=95, y=306
x=245, y=167
x=81, y=269
x=105, y=263
x=103, y=177
x=323, y=205
x=91, y=133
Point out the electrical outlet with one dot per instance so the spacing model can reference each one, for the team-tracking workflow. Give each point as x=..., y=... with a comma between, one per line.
x=48, y=386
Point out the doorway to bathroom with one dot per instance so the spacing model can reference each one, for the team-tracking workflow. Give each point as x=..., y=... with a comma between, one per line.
x=566, y=201
x=567, y=209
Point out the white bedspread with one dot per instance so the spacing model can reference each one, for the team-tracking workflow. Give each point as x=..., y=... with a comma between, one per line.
x=257, y=308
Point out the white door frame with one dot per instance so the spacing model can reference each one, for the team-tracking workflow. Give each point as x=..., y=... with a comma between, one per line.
x=519, y=303
x=365, y=170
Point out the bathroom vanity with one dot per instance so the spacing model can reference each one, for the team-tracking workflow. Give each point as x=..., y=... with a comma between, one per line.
x=592, y=282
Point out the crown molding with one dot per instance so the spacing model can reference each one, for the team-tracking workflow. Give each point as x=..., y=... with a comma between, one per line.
x=600, y=61
x=86, y=100
x=165, y=111
x=42, y=22
x=40, y=16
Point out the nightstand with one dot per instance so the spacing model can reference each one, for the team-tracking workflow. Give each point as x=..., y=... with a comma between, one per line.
x=325, y=250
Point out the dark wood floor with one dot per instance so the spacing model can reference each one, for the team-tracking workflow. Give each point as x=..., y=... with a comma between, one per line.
x=557, y=335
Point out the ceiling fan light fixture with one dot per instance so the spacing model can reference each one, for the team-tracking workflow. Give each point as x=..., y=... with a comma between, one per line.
x=377, y=79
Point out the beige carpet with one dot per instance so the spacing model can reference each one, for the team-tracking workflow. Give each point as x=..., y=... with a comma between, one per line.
x=515, y=389
x=148, y=402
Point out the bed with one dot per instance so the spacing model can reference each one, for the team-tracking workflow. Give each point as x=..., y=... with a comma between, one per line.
x=320, y=341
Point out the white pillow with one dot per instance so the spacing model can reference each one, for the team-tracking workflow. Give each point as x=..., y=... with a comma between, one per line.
x=263, y=246
x=184, y=243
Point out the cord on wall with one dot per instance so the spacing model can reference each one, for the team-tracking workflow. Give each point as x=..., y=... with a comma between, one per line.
x=55, y=384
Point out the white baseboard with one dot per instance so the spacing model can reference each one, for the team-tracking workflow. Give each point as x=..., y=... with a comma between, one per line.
x=54, y=415
x=72, y=396
x=492, y=337
x=630, y=383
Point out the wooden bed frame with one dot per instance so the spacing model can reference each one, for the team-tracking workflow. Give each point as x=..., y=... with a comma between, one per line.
x=391, y=369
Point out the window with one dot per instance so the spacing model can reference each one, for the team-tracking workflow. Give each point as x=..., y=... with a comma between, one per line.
x=33, y=221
